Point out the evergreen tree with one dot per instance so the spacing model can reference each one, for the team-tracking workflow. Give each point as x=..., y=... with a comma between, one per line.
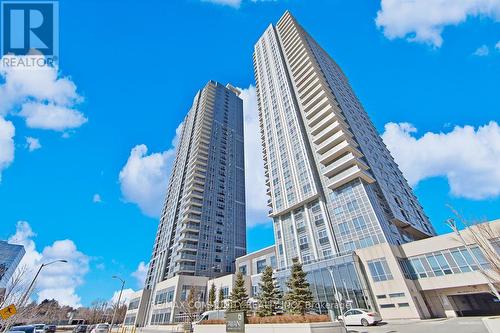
x=269, y=294
x=211, y=297
x=299, y=297
x=221, y=299
x=239, y=297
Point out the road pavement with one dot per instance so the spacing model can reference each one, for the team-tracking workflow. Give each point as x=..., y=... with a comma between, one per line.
x=454, y=325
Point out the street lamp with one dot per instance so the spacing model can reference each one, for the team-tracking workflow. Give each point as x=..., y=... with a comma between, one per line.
x=453, y=225
x=335, y=297
x=119, y=298
x=23, y=299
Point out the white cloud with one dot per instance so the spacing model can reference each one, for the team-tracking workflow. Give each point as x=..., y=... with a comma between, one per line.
x=231, y=3
x=467, y=157
x=42, y=97
x=497, y=46
x=96, y=198
x=140, y=274
x=59, y=280
x=424, y=20
x=144, y=178
x=32, y=143
x=7, y=132
x=126, y=296
x=45, y=99
x=51, y=116
x=482, y=51
x=255, y=187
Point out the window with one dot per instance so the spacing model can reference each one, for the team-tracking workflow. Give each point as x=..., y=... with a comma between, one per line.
x=359, y=222
x=273, y=262
x=303, y=242
x=396, y=295
x=379, y=270
x=381, y=296
x=261, y=265
x=352, y=205
x=225, y=292
x=403, y=305
x=476, y=251
x=385, y=306
x=344, y=228
x=443, y=263
x=434, y=265
x=459, y=259
x=349, y=246
x=365, y=242
x=243, y=269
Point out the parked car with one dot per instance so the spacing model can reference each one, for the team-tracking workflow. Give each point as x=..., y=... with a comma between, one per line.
x=50, y=328
x=24, y=329
x=360, y=317
x=212, y=315
x=80, y=329
x=100, y=328
x=39, y=328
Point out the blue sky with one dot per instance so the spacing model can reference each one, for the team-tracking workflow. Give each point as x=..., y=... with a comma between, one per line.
x=136, y=67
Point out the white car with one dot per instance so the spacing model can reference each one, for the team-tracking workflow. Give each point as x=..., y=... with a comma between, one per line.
x=39, y=328
x=212, y=315
x=360, y=317
x=100, y=328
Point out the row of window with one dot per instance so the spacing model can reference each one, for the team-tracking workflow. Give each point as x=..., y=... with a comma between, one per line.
x=392, y=305
x=450, y=261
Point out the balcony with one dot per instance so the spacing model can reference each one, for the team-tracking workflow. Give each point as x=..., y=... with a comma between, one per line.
x=186, y=257
x=339, y=150
x=348, y=175
x=342, y=163
x=189, y=237
x=188, y=247
x=327, y=120
x=332, y=141
x=327, y=132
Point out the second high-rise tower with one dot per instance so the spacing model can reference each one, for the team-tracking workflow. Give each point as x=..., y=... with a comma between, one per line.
x=333, y=184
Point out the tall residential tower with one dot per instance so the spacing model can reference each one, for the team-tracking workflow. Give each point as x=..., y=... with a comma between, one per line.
x=333, y=184
x=202, y=227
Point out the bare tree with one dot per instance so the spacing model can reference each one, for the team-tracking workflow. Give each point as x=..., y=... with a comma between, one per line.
x=487, y=238
x=13, y=294
x=193, y=305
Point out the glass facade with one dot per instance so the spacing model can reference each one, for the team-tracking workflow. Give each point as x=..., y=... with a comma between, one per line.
x=449, y=261
x=10, y=257
x=349, y=283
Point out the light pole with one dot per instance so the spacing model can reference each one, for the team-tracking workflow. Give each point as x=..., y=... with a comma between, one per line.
x=453, y=225
x=119, y=298
x=26, y=294
x=330, y=269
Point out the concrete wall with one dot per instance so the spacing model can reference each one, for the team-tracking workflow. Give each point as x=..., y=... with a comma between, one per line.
x=327, y=327
x=140, y=311
x=227, y=281
x=250, y=260
x=429, y=296
x=398, y=284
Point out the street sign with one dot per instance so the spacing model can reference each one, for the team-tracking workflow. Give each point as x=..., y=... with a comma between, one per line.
x=235, y=321
x=8, y=312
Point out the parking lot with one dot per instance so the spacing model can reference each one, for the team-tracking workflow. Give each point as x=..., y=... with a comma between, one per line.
x=454, y=325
